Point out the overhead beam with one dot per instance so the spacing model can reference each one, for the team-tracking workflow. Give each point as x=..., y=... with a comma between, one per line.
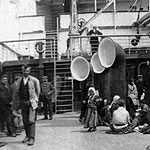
x=98, y=13
x=141, y=20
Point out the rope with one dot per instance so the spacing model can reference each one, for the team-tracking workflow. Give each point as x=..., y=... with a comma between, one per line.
x=139, y=10
x=133, y=5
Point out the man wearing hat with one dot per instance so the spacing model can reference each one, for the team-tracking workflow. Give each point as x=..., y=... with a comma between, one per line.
x=47, y=90
x=29, y=91
x=94, y=41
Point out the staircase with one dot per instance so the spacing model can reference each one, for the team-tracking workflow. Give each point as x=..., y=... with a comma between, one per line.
x=64, y=87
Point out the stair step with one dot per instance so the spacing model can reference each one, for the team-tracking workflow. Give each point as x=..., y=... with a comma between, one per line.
x=65, y=94
x=62, y=73
x=65, y=75
x=63, y=66
x=64, y=110
x=64, y=82
x=51, y=52
x=65, y=91
x=63, y=88
x=67, y=81
x=63, y=62
x=66, y=86
x=64, y=105
x=63, y=97
x=62, y=69
x=64, y=100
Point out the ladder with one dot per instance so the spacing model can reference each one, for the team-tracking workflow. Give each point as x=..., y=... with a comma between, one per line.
x=51, y=44
x=63, y=87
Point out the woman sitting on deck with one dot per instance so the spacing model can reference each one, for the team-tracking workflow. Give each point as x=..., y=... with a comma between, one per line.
x=120, y=119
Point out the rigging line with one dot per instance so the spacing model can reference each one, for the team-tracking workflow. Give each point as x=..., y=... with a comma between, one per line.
x=139, y=11
x=133, y=5
x=139, y=16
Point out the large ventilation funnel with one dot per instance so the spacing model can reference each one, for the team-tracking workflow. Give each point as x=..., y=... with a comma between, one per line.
x=96, y=64
x=80, y=68
x=110, y=52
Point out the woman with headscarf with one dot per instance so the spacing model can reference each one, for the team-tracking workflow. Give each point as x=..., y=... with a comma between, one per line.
x=114, y=105
x=91, y=120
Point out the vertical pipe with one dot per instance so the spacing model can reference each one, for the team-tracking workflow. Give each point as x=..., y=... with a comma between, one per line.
x=149, y=5
x=95, y=4
x=41, y=67
x=54, y=78
x=74, y=17
x=129, y=45
x=115, y=15
x=51, y=48
x=57, y=36
x=55, y=96
x=71, y=50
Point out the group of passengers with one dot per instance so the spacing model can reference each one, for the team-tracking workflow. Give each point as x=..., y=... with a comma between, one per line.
x=19, y=104
x=122, y=115
x=10, y=112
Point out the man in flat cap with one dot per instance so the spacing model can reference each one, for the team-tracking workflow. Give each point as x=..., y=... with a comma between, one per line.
x=47, y=90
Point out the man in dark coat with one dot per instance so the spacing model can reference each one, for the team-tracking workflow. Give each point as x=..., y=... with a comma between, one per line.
x=5, y=105
x=94, y=39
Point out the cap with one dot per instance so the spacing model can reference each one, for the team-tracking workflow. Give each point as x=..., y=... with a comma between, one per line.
x=139, y=76
x=115, y=98
x=44, y=77
x=17, y=77
x=4, y=76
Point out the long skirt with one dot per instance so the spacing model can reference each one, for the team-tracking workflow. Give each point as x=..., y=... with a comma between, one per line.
x=124, y=130
x=91, y=118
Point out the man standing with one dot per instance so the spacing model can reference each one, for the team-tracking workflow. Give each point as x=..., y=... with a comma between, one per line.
x=5, y=105
x=47, y=90
x=140, y=86
x=29, y=91
x=94, y=41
